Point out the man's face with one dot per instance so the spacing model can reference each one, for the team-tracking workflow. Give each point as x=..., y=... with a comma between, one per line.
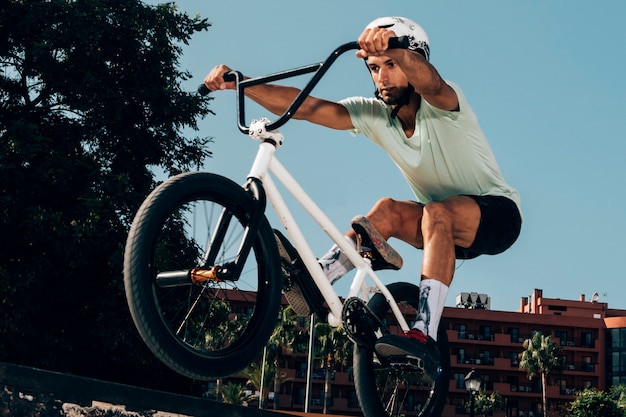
x=388, y=78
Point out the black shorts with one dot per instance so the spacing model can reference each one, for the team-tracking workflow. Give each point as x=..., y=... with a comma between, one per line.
x=500, y=224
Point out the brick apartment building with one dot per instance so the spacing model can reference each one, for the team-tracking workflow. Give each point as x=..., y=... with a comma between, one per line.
x=592, y=335
x=593, y=338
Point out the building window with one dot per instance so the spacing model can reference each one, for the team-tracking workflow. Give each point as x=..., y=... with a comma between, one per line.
x=299, y=396
x=616, y=355
x=460, y=355
x=459, y=379
x=485, y=332
x=514, y=332
x=301, y=370
x=562, y=336
x=462, y=329
x=353, y=402
x=484, y=358
x=586, y=340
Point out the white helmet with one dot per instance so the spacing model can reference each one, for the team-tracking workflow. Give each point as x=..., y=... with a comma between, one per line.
x=418, y=39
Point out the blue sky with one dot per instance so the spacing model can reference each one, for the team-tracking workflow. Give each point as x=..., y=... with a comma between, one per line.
x=545, y=79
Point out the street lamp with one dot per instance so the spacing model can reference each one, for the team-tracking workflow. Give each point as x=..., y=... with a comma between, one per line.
x=472, y=385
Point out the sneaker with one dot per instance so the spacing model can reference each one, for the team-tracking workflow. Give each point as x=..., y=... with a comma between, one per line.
x=413, y=346
x=373, y=246
x=298, y=287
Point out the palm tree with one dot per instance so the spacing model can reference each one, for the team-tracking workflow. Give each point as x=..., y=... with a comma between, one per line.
x=333, y=346
x=541, y=357
x=259, y=380
x=283, y=337
x=220, y=326
x=235, y=394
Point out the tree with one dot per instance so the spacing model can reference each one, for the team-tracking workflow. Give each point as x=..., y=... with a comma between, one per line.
x=618, y=394
x=541, y=357
x=90, y=101
x=259, y=378
x=594, y=403
x=333, y=346
x=485, y=404
x=235, y=394
x=283, y=337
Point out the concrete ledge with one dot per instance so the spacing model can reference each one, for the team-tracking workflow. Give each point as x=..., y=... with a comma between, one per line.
x=82, y=391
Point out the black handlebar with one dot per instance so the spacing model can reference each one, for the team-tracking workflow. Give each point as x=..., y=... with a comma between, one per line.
x=203, y=90
x=320, y=70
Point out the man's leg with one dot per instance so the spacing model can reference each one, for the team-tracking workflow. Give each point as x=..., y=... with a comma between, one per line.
x=390, y=219
x=335, y=263
x=444, y=225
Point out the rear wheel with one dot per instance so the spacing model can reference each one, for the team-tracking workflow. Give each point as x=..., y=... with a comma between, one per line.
x=214, y=327
x=384, y=390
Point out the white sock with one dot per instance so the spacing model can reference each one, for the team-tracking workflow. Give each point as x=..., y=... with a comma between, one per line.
x=335, y=264
x=432, y=301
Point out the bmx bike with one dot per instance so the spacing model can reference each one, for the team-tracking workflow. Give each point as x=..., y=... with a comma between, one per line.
x=203, y=277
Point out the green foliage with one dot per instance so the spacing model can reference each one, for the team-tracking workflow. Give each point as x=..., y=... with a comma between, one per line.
x=90, y=100
x=485, y=404
x=235, y=394
x=283, y=338
x=260, y=377
x=618, y=394
x=331, y=346
x=541, y=357
x=594, y=403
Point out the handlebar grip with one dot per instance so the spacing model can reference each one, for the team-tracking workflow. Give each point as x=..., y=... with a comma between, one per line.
x=203, y=90
x=228, y=76
x=401, y=42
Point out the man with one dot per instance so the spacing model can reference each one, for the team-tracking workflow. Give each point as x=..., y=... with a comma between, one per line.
x=464, y=206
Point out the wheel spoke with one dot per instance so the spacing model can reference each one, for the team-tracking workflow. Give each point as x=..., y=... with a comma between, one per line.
x=195, y=317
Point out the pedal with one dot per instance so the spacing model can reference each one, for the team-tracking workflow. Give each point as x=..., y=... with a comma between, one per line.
x=298, y=285
x=413, y=364
x=406, y=363
x=371, y=245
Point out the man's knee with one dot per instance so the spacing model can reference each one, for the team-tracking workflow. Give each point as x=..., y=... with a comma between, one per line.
x=384, y=205
x=383, y=216
x=436, y=214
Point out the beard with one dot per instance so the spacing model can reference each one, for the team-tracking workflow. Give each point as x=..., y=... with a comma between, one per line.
x=391, y=99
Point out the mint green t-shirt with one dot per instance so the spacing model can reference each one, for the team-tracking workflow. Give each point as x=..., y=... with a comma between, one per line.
x=447, y=155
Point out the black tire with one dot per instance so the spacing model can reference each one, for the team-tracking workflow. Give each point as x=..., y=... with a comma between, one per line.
x=195, y=329
x=383, y=391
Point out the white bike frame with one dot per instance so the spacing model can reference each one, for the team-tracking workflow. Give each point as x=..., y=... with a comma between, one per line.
x=265, y=161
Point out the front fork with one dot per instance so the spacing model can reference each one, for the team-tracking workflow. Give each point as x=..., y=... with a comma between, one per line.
x=232, y=270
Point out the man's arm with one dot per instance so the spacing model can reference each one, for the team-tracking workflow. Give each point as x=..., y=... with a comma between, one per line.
x=425, y=79
x=277, y=98
x=420, y=73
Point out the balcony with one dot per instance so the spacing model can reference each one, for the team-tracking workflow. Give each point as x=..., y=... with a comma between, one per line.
x=580, y=367
x=524, y=390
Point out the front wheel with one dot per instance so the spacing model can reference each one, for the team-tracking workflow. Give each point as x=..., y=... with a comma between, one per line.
x=209, y=328
x=385, y=391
